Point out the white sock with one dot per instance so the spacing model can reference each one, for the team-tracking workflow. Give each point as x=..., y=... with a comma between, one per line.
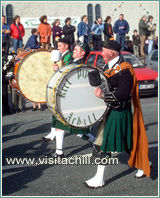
x=59, y=141
x=98, y=179
x=52, y=134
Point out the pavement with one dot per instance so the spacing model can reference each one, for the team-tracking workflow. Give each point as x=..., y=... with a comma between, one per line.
x=22, y=137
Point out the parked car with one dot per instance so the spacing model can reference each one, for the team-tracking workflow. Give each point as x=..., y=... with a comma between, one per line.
x=151, y=60
x=147, y=78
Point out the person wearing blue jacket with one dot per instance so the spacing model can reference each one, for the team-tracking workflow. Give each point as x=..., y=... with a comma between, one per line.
x=32, y=41
x=121, y=28
x=96, y=30
x=83, y=29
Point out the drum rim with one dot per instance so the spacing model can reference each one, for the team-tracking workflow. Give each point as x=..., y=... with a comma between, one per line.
x=20, y=65
x=107, y=106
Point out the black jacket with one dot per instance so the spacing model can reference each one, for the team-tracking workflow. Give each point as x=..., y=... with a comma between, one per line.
x=122, y=83
x=106, y=28
x=69, y=33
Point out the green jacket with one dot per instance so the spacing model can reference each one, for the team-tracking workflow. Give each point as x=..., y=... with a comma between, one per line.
x=67, y=58
x=143, y=28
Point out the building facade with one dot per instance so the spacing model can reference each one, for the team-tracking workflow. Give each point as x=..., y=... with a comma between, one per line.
x=30, y=11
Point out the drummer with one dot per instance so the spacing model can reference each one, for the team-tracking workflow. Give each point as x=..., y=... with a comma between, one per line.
x=120, y=132
x=58, y=129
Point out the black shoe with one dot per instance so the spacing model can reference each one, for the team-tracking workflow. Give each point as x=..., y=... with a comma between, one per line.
x=55, y=155
x=33, y=109
x=17, y=111
x=46, y=139
x=96, y=150
x=41, y=109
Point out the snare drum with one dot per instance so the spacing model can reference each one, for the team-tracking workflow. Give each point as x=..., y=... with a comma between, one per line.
x=33, y=69
x=71, y=98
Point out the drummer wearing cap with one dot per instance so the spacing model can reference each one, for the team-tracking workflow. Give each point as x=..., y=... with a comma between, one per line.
x=80, y=52
x=120, y=132
x=58, y=129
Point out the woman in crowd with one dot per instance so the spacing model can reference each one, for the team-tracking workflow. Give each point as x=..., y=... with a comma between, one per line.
x=44, y=29
x=57, y=32
x=17, y=33
x=108, y=32
x=69, y=30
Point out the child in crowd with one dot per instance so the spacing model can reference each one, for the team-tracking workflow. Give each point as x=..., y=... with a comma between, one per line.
x=32, y=41
x=136, y=43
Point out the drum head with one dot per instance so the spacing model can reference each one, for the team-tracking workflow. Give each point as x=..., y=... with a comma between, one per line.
x=33, y=75
x=76, y=101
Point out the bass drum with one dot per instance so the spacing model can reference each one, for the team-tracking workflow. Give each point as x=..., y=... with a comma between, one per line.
x=71, y=98
x=32, y=71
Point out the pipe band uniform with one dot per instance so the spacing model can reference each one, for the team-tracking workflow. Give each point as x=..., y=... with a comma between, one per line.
x=120, y=131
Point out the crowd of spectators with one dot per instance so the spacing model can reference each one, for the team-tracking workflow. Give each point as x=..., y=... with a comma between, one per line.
x=141, y=44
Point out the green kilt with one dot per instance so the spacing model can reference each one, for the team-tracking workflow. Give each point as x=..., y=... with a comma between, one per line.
x=57, y=124
x=117, y=134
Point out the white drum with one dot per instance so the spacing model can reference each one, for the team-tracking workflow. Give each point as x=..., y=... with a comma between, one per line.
x=71, y=98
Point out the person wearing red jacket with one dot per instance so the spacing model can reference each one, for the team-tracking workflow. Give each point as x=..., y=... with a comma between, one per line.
x=17, y=33
x=45, y=30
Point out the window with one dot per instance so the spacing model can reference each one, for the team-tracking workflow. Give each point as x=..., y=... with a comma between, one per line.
x=9, y=17
x=135, y=62
x=100, y=62
x=9, y=14
x=91, y=59
x=97, y=11
x=90, y=14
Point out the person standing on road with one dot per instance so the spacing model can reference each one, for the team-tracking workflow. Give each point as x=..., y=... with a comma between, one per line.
x=96, y=31
x=17, y=33
x=121, y=28
x=68, y=31
x=151, y=36
x=136, y=43
x=83, y=29
x=58, y=129
x=57, y=33
x=5, y=38
x=108, y=31
x=45, y=31
x=143, y=31
x=119, y=131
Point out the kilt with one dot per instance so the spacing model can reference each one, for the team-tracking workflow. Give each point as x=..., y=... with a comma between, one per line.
x=117, y=134
x=57, y=124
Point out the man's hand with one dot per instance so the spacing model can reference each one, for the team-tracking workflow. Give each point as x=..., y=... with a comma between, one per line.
x=55, y=67
x=98, y=92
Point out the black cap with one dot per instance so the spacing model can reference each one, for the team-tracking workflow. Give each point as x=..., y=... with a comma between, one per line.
x=84, y=46
x=94, y=78
x=64, y=40
x=112, y=45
